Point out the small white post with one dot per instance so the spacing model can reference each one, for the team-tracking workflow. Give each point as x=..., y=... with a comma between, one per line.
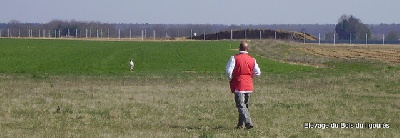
x=350, y=38
x=142, y=35
x=383, y=35
x=97, y=33
x=86, y=33
x=319, y=38
x=119, y=33
x=204, y=36
x=130, y=34
x=76, y=33
x=260, y=34
x=275, y=34
x=334, y=39
x=231, y=34
x=366, y=39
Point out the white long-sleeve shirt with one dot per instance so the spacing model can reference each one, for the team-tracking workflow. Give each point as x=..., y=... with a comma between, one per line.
x=231, y=65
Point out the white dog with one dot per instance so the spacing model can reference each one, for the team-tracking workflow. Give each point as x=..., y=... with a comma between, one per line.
x=132, y=64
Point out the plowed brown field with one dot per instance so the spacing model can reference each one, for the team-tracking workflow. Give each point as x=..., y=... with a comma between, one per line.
x=387, y=53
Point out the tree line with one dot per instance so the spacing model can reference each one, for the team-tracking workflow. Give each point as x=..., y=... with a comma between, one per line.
x=348, y=27
x=79, y=29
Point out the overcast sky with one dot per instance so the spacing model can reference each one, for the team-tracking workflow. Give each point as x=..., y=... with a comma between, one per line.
x=201, y=11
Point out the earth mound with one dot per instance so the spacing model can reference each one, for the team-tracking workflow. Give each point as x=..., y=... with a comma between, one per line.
x=256, y=34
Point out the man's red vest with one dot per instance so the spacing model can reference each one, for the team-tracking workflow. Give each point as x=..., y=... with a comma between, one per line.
x=242, y=75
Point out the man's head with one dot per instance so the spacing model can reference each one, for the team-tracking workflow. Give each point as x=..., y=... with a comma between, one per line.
x=243, y=46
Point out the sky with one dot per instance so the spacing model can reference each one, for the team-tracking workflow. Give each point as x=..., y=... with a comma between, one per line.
x=201, y=11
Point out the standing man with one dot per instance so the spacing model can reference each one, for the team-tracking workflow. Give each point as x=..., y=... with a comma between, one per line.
x=240, y=70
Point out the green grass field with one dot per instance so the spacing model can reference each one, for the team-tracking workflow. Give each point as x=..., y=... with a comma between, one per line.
x=61, y=57
x=179, y=89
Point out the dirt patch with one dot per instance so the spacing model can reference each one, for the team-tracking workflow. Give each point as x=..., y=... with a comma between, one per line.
x=387, y=53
